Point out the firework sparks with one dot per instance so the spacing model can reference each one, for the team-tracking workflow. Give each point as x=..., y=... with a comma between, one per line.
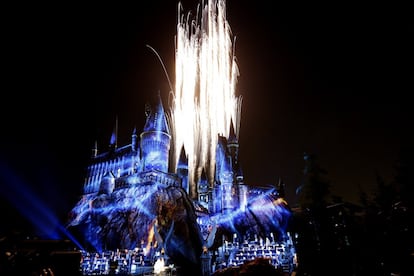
x=204, y=101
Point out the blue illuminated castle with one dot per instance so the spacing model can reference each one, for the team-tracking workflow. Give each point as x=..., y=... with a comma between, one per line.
x=147, y=159
x=133, y=201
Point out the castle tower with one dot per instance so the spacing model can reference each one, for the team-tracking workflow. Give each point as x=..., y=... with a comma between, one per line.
x=242, y=189
x=133, y=162
x=216, y=204
x=225, y=176
x=233, y=146
x=134, y=139
x=182, y=170
x=239, y=188
x=203, y=189
x=228, y=189
x=155, y=140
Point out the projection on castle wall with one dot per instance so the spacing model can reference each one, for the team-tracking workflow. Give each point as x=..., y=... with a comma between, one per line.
x=178, y=186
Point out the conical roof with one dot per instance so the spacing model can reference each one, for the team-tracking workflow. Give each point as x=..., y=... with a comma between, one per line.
x=156, y=120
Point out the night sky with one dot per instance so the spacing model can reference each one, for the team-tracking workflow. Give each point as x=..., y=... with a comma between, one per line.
x=332, y=79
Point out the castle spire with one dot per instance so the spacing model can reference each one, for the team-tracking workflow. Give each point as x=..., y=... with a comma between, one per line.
x=134, y=139
x=232, y=134
x=156, y=120
x=233, y=146
x=182, y=170
x=114, y=137
x=155, y=140
x=183, y=160
x=203, y=189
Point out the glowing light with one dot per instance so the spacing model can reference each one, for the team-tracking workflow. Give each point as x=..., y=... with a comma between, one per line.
x=150, y=237
x=29, y=204
x=159, y=266
x=204, y=101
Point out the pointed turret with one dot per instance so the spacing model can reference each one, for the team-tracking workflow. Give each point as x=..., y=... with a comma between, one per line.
x=134, y=139
x=156, y=120
x=233, y=147
x=183, y=160
x=155, y=140
x=232, y=135
x=113, y=143
x=182, y=170
x=221, y=155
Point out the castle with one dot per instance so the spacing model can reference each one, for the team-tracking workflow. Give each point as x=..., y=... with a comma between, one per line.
x=194, y=208
x=147, y=159
x=132, y=200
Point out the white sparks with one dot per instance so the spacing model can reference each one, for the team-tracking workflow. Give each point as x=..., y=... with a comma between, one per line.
x=204, y=102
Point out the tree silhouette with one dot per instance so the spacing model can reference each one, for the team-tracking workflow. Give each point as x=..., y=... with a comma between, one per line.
x=315, y=187
x=400, y=217
x=312, y=222
x=389, y=220
x=404, y=176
